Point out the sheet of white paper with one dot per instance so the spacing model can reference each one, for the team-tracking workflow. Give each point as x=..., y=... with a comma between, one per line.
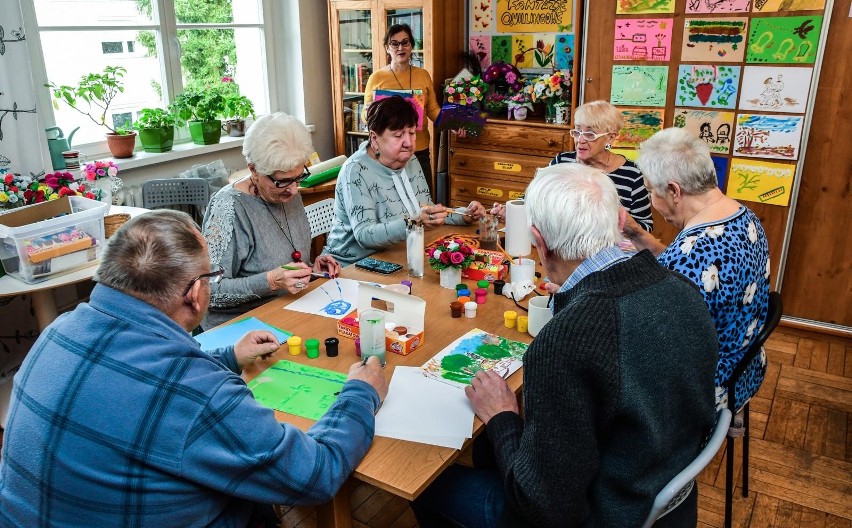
x=328, y=300
x=418, y=409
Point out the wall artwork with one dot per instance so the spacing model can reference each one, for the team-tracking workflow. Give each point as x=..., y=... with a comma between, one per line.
x=707, y=85
x=480, y=45
x=480, y=16
x=544, y=50
x=717, y=6
x=636, y=7
x=639, y=125
x=522, y=49
x=515, y=16
x=766, y=6
x=714, y=40
x=565, y=51
x=501, y=49
x=647, y=39
x=784, y=40
x=761, y=181
x=768, y=136
x=639, y=85
x=770, y=88
x=712, y=126
x=721, y=165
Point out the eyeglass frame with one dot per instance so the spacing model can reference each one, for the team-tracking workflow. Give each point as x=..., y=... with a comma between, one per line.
x=286, y=182
x=406, y=43
x=214, y=277
x=576, y=134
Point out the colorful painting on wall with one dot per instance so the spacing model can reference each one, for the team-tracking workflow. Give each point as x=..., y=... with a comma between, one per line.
x=565, y=51
x=636, y=7
x=770, y=88
x=784, y=40
x=522, y=49
x=544, y=50
x=639, y=85
x=768, y=136
x=766, y=6
x=480, y=45
x=480, y=16
x=714, y=40
x=501, y=49
x=717, y=6
x=707, y=86
x=721, y=165
x=648, y=39
x=761, y=181
x=639, y=125
x=522, y=16
x=712, y=126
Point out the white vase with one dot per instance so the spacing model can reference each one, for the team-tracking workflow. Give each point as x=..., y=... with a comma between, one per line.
x=450, y=277
x=105, y=185
x=520, y=113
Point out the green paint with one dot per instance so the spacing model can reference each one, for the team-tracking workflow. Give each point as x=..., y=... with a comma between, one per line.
x=784, y=40
x=297, y=389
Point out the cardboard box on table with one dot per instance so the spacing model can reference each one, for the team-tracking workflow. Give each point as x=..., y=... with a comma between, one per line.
x=400, y=309
x=486, y=265
x=41, y=241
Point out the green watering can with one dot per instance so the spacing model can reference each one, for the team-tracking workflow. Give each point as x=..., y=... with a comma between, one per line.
x=58, y=143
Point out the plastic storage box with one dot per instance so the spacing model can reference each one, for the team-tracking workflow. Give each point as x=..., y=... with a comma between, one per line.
x=41, y=241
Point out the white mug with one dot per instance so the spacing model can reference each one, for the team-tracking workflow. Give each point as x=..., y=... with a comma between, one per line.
x=522, y=269
x=539, y=314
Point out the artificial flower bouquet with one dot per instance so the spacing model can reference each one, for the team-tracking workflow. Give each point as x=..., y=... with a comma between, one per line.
x=466, y=91
x=505, y=78
x=12, y=187
x=496, y=103
x=17, y=190
x=520, y=100
x=453, y=253
x=98, y=170
x=549, y=87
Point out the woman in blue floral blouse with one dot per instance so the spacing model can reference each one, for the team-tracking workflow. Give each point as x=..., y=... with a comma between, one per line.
x=722, y=248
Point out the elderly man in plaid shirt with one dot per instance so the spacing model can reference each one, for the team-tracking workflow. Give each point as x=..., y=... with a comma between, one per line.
x=119, y=419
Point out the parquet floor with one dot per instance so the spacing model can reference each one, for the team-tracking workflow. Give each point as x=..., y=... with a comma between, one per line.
x=801, y=449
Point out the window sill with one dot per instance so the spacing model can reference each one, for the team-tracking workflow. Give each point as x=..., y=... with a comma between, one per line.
x=179, y=151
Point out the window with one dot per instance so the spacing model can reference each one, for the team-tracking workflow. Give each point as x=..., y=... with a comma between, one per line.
x=166, y=46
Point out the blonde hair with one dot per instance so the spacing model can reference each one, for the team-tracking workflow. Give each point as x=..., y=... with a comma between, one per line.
x=599, y=116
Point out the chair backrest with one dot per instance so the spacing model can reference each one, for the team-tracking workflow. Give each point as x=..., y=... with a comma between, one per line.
x=679, y=488
x=176, y=191
x=773, y=317
x=320, y=216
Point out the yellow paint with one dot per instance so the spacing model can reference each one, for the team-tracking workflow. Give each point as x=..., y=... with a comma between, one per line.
x=760, y=181
x=489, y=192
x=507, y=166
x=630, y=154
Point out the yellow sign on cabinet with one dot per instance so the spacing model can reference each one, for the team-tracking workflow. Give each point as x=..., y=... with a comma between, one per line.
x=516, y=195
x=490, y=192
x=507, y=166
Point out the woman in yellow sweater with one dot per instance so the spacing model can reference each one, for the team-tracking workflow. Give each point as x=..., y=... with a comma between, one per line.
x=404, y=78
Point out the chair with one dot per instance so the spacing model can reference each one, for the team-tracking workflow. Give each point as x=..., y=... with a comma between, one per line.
x=177, y=191
x=320, y=219
x=679, y=488
x=773, y=316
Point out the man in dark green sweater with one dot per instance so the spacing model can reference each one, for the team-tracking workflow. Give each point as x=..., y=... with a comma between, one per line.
x=618, y=386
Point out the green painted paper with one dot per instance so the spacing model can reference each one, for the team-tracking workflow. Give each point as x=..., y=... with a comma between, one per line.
x=784, y=40
x=501, y=49
x=639, y=85
x=297, y=389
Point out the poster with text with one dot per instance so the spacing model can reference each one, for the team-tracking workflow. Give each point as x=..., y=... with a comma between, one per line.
x=639, y=125
x=480, y=45
x=639, y=85
x=523, y=16
x=760, y=181
x=714, y=40
x=717, y=6
x=637, y=7
x=775, y=89
x=713, y=126
x=480, y=16
x=707, y=86
x=784, y=40
x=768, y=136
x=564, y=51
x=647, y=39
x=766, y=6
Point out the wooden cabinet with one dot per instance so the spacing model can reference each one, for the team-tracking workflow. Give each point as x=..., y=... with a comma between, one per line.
x=357, y=28
x=498, y=165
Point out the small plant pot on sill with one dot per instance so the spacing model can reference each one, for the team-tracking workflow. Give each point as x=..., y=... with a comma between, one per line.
x=157, y=139
x=235, y=127
x=121, y=145
x=205, y=132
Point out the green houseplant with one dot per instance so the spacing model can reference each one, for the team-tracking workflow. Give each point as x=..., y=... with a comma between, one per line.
x=92, y=97
x=237, y=109
x=201, y=109
x=156, y=128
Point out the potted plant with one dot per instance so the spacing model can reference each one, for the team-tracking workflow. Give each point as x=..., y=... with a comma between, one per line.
x=92, y=97
x=519, y=104
x=156, y=129
x=201, y=109
x=237, y=108
x=450, y=257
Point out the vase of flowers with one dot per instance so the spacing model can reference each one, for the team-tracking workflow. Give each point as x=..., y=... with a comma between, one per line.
x=450, y=258
x=102, y=175
x=505, y=78
x=549, y=88
x=496, y=103
x=519, y=105
x=57, y=185
x=466, y=91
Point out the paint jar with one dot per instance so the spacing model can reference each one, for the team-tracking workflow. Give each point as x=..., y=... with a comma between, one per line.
x=294, y=345
x=407, y=283
x=463, y=299
x=331, y=345
x=482, y=283
x=461, y=286
x=470, y=309
x=498, y=286
x=312, y=348
x=481, y=294
x=372, y=324
x=456, y=309
x=463, y=293
x=523, y=324
x=414, y=251
x=509, y=318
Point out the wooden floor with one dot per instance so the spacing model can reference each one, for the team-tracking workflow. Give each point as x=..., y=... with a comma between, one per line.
x=801, y=449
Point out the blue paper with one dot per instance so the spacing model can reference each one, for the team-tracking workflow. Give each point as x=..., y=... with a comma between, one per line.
x=230, y=334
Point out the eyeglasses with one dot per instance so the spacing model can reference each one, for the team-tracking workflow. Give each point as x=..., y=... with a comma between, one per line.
x=214, y=276
x=588, y=135
x=396, y=45
x=289, y=181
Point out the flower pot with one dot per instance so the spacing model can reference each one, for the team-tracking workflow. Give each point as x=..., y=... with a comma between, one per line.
x=205, y=132
x=450, y=277
x=157, y=139
x=121, y=145
x=520, y=113
x=105, y=185
x=235, y=127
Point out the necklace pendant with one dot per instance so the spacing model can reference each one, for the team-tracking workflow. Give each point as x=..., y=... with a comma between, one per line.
x=297, y=256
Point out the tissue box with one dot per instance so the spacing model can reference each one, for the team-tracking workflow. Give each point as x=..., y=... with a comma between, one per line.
x=486, y=265
x=407, y=310
x=41, y=241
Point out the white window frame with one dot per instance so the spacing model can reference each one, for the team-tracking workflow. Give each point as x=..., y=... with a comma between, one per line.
x=168, y=52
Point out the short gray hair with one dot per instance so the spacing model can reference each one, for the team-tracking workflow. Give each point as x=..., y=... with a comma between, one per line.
x=600, y=116
x=277, y=142
x=575, y=208
x=675, y=155
x=153, y=257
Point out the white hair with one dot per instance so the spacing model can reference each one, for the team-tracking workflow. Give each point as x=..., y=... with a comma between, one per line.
x=600, y=116
x=675, y=155
x=575, y=208
x=277, y=142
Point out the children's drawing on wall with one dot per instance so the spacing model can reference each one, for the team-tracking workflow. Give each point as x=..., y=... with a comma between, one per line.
x=760, y=181
x=784, y=40
x=707, y=85
x=714, y=40
x=636, y=7
x=639, y=125
x=476, y=350
x=768, y=136
x=501, y=49
x=720, y=163
x=766, y=6
x=769, y=88
x=712, y=126
x=480, y=45
x=480, y=16
x=523, y=16
x=717, y=6
x=639, y=85
x=648, y=39
x=564, y=51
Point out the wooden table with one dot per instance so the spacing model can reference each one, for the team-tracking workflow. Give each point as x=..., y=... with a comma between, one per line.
x=398, y=466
